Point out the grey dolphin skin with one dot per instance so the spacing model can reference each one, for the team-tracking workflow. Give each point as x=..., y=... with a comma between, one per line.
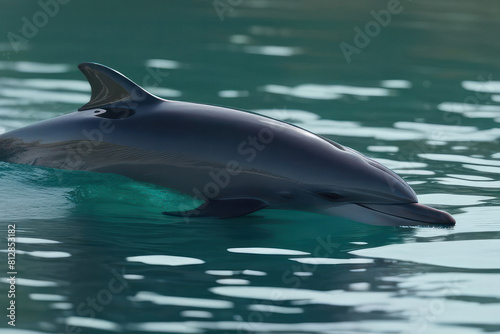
x=236, y=162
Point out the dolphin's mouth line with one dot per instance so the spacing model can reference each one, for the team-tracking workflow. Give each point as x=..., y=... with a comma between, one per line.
x=388, y=214
x=413, y=212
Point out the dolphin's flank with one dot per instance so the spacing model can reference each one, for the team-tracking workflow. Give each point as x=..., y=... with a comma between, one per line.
x=236, y=162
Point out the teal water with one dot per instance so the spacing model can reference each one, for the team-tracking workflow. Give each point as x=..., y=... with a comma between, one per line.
x=422, y=96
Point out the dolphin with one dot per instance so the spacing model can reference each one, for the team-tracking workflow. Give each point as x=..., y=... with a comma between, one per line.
x=235, y=162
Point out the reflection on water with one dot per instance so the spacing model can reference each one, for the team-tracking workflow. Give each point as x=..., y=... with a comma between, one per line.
x=94, y=253
x=32, y=67
x=468, y=254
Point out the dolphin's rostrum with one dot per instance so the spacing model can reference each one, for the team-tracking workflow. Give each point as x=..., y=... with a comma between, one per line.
x=236, y=162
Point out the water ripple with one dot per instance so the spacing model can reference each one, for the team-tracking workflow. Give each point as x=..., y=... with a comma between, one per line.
x=163, y=63
x=33, y=67
x=266, y=308
x=326, y=92
x=196, y=314
x=314, y=123
x=165, y=260
x=396, y=84
x=146, y=296
x=318, y=260
x=25, y=240
x=344, y=327
x=233, y=281
x=94, y=323
x=453, y=199
x=46, y=297
x=471, y=110
x=44, y=254
x=272, y=50
x=453, y=181
x=47, y=84
x=30, y=282
x=459, y=158
x=466, y=254
x=266, y=251
x=485, y=169
x=44, y=96
x=482, y=86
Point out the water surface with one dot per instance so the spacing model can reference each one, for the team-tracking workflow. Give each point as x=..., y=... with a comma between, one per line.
x=95, y=255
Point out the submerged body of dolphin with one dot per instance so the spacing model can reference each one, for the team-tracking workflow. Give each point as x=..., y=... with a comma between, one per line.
x=236, y=162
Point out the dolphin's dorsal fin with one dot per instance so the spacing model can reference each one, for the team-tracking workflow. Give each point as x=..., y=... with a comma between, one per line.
x=109, y=86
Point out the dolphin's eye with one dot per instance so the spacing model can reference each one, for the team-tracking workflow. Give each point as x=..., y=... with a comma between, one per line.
x=113, y=113
x=331, y=196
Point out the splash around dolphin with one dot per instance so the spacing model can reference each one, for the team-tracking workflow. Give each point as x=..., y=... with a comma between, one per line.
x=236, y=162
